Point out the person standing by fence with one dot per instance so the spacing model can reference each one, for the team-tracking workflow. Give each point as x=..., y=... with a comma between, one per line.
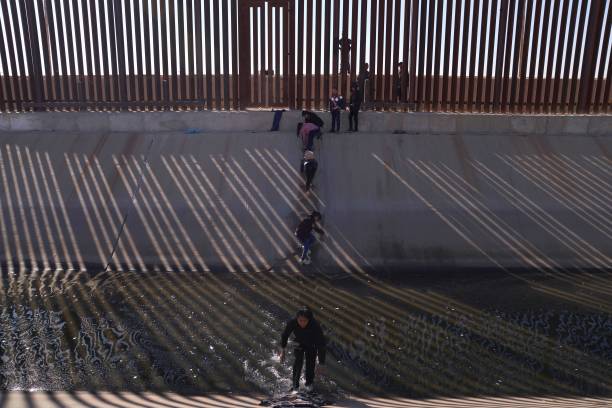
x=354, y=106
x=336, y=105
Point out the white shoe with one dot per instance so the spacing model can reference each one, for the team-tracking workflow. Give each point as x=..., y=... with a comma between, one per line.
x=309, y=388
x=306, y=261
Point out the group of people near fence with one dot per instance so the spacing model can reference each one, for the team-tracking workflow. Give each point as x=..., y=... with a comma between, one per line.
x=308, y=130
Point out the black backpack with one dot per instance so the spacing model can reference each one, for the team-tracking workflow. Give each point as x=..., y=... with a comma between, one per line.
x=314, y=118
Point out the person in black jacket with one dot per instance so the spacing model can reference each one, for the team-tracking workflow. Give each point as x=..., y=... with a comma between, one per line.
x=303, y=232
x=310, y=343
x=309, y=167
x=354, y=106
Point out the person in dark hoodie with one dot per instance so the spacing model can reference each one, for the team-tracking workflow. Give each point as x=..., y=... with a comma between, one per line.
x=303, y=232
x=309, y=167
x=310, y=343
x=354, y=106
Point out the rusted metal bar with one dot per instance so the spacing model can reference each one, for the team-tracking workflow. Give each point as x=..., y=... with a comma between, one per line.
x=534, y=58
x=76, y=62
x=518, y=52
x=489, y=80
x=16, y=39
x=255, y=57
x=226, y=56
x=360, y=68
x=197, y=64
x=46, y=55
x=567, y=82
x=595, y=27
x=129, y=44
x=146, y=47
x=501, y=55
x=309, y=51
x=505, y=89
x=67, y=47
x=580, y=33
x=192, y=77
x=96, y=63
x=387, y=73
x=372, y=61
x=166, y=78
x=300, y=54
x=606, y=98
x=118, y=14
x=394, y=64
x=464, y=56
x=208, y=32
x=60, y=49
x=404, y=79
x=112, y=32
x=472, y=76
x=524, y=85
x=414, y=20
x=481, y=73
x=7, y=80
x=557, y=74
x=217, y=46
x=269, y=67
x=539, y=76
x=344, y=55
x=262, y=54
x=28, y=18
x=599, y=103
x=156, y=77
x=244, y=29
x=291, y=50
x=555, y=43
x=354, y=24
x=437, y=57
x=81, y=84
x=278, y=99
x=234, y=68
x=317, y=50
x=183, y=53
x=139, y=78
x=328, y=24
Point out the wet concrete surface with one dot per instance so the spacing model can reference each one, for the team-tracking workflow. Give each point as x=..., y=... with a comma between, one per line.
x=206, y=332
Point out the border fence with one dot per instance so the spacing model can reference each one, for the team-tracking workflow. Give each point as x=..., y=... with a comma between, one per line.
x=508, y=56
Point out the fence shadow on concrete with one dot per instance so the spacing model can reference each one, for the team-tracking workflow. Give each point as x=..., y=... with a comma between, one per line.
x=191, y=213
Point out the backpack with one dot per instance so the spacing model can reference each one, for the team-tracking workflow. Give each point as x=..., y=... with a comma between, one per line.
x=314, y=118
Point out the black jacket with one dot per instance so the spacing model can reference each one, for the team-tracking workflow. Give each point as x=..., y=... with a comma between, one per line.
x=310, y=337
x=356, y=98
x=310, y=166
x=305, y=228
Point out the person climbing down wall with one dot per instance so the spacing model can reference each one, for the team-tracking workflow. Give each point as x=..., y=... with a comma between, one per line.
x=309, y=168
x=304, y=234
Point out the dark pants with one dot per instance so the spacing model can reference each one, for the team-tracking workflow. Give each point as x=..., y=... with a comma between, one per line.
x=310, y=173
x=311, y=358
x=307, y=243
x=354, y=119
x=335, y=121
x=311, y=136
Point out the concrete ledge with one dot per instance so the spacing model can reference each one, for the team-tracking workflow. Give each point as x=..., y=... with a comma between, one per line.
x=258, y=121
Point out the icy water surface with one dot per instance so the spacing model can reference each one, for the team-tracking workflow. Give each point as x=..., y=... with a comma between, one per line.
x=191, y=331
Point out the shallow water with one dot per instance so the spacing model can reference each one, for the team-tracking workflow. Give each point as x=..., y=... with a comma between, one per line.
x=201, y=332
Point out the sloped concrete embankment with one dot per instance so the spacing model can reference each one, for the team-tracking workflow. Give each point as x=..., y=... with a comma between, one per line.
x=231, y=199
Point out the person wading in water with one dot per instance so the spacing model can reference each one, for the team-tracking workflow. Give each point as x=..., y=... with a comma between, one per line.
x=310, y=343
